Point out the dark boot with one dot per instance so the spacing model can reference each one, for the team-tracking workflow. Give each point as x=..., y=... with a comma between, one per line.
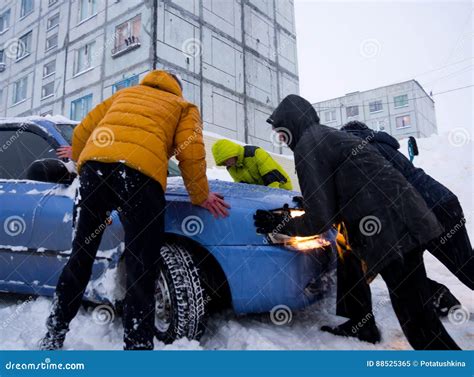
x=57, y=330
x=53, y=340
x=444, y=300
x=365, y=330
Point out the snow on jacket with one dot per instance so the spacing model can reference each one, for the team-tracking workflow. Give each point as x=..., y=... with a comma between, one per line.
x=430, y=189
x=143, y=126
x=343, y=179
x=254, y=165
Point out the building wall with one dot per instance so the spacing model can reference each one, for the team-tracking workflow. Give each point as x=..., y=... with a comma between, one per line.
x=237, y=58
x=420, y=109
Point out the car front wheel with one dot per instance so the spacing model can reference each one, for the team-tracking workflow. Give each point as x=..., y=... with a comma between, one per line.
x=180, y=297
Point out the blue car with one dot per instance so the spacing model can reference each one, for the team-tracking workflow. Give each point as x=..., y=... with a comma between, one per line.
x=206, y=264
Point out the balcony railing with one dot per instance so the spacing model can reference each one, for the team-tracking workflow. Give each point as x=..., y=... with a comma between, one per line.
x=131, y=43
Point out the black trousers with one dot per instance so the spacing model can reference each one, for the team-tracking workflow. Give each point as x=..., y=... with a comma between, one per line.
x=140, y=202
x=410, y=294
x=453, y=248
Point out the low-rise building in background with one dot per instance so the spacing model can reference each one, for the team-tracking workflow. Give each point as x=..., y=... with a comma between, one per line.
x=402, y=110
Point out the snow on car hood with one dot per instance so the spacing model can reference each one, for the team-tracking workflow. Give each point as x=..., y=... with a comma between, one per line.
x=238, y=191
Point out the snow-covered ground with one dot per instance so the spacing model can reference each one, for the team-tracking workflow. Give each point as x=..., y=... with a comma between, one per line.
x=447, y=157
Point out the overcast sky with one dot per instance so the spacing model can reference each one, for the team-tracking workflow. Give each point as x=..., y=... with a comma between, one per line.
x=345, y=46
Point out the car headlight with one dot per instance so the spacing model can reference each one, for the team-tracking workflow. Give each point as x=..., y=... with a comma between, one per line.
x=298, y=243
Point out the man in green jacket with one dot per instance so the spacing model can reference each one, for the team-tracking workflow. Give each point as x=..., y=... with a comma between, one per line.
x=249, y=164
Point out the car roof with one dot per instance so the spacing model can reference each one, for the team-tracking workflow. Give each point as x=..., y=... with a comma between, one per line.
x=39, y=120
x=48, y=124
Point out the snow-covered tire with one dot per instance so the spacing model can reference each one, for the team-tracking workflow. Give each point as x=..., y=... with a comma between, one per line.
x=180, y=297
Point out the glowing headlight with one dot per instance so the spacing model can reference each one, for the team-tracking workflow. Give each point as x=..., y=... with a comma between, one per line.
x=296, y=212
x=293, y=212
x=299, y=243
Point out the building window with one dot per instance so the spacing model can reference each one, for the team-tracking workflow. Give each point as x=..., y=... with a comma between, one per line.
x=403, y=121
x=47, y=90
x=51, y=42
x=401, y=101
x=87, y=8
x=80, y=107
x=127, y=36
x=330, y=116
x=2, y=61
x=24, y=45
x=4, y=21
x=49, y=68
x=131, y=81
x=375, y=106
x=352, y=111
x=26, y=7
x=53, y=21
x=84, y=58
x=52, y=2
x=19, y=90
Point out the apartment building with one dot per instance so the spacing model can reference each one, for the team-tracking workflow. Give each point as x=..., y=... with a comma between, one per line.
x=237, y=58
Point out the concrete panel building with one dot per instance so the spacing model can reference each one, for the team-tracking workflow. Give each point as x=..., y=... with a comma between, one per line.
x=402, y=110
x=237, y=58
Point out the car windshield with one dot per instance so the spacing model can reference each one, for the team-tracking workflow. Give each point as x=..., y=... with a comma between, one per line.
x=66, y=131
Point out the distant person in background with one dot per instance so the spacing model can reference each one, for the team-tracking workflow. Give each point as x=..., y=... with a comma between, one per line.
x=249, y=164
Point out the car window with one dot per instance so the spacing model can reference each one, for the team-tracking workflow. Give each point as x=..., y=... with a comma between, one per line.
x=66, y=131
x=18, y=150
x=173, y=169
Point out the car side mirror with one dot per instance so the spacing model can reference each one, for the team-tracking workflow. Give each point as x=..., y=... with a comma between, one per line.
x=50, y=170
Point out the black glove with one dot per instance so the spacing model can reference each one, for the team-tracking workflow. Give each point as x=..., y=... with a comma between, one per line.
x=298, y=200
x=268, y=222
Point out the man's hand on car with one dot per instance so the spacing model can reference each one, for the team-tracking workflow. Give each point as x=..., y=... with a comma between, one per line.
x=64, y=152
x=216, y=204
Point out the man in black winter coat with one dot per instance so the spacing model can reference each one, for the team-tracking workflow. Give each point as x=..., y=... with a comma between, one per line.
x=455, y=251
x=387, y=220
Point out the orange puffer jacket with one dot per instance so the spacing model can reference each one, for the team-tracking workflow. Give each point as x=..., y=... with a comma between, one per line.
x=144, y=126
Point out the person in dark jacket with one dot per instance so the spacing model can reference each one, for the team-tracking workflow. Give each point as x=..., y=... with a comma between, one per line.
x=387, y=221
x=455, y=251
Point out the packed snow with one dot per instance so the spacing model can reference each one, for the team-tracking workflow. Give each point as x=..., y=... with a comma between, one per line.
x=445, y=158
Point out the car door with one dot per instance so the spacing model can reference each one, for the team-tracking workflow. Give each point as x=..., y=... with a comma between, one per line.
x=36, y=217
x=20, y=145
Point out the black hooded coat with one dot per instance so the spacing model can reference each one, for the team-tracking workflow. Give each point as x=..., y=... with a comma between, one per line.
x=430, y=189
x=343, y=178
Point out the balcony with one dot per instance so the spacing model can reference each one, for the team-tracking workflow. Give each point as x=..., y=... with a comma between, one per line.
x=131, y=43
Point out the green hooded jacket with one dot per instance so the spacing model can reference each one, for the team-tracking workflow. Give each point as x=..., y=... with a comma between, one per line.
x=254, y=165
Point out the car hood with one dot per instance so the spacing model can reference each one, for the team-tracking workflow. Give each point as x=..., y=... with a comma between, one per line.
x=245, y=195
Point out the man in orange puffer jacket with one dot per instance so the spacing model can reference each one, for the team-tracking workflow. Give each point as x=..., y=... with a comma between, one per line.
x=122, y=148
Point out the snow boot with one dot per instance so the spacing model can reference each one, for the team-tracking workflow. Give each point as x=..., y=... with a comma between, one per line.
x=444, y=300
x=52, y=341
x=365, y=330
